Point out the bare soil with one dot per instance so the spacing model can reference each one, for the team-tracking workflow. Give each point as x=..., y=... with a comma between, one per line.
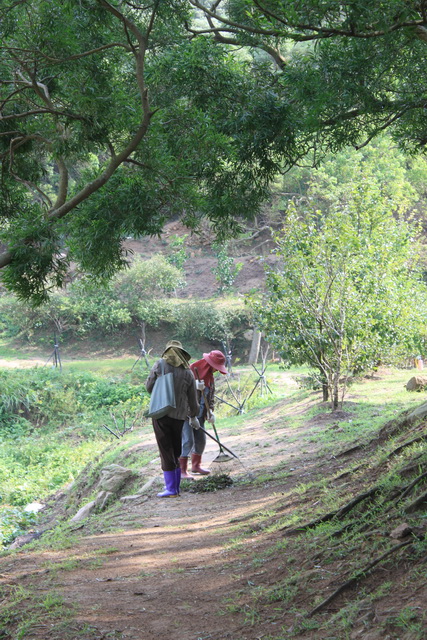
x=189, y=567
x=201, y=262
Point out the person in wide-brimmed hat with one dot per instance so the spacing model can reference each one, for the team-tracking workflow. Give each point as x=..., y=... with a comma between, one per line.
x=194, y=440
x=168, y=429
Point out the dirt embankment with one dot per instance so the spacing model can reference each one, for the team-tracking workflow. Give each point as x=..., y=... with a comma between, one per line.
x=202, y=262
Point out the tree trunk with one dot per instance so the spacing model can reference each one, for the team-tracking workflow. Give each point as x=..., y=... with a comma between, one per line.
x=335, y=392
x=325, y=391
x=255, y=346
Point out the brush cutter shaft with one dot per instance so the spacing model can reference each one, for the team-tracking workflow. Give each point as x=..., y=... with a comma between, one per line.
x=222, y=446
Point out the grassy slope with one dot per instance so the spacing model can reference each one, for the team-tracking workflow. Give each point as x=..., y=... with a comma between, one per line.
x=332, y=568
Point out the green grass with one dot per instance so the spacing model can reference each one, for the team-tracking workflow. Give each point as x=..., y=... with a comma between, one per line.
x=51, y=427
x=108, y=366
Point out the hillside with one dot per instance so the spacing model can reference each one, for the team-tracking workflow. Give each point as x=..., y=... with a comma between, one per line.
x=27, y=335
x=201, y=262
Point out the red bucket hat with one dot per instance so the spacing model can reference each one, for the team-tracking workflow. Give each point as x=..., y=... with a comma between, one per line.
x=216, y=359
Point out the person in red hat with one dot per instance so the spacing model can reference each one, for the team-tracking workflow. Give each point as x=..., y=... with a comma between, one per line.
x=194, y=440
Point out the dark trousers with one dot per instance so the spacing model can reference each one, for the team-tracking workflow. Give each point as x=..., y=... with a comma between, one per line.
x=168, y=435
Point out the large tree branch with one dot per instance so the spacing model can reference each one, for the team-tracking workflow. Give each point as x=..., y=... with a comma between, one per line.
x=102, y=179
x=230, y=23
x=34, y=112
x=95, y=185
x=333, y=31
x=142, y=40
x=63, y=183
x=77, y=56
x=11, y=95
x=42, y=92
x=300, y=29
x=272, y=51
x=421, y=32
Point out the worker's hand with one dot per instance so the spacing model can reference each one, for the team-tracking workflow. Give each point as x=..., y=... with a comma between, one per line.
x=200, y=385
x=211, y=418
x=194, y=422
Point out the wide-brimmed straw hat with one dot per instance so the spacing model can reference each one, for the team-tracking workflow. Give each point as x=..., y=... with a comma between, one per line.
x=176, y=344
x=217, y=360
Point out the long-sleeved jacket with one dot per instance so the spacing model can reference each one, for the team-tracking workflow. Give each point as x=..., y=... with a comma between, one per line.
x=209, y=391
x=185, y=390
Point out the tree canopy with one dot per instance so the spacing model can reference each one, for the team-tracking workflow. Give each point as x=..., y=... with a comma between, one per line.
x=346, y=70
x=112, y=113
x=117, y=115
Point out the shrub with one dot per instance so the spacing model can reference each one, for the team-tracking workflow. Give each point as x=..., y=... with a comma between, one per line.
x=96, y=309
x=146, y=279
x=154, y=311
x=41, y=395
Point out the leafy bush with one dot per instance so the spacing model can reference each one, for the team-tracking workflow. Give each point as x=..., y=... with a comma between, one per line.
x=154, y=311
x=45, y=396
x=203, y=321
x=85, y=310
x=95, y=309
x=147, y=279
x=137, y=294
x=21, y=320
x=93, y=393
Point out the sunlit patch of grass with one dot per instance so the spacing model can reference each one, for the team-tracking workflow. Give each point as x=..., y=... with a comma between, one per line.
x=104, y=551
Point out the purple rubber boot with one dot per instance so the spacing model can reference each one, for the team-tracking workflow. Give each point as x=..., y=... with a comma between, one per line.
x=171, y=490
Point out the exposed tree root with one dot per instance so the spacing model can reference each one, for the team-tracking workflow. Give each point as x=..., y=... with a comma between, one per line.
x=409, y=488
x=357, y=576
x=339, y=532
x=411, y=467
x=394, y=426
x=406, y=444
x=335, y=514
x=414, y=506
x=349, y=472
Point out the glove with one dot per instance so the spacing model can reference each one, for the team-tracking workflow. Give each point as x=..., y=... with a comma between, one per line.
x=194, y=422
x=200, y=385
x=211, y=418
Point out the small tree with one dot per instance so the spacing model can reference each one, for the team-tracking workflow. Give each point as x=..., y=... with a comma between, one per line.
x=177, y=255
x=226, y=270
x=346, y=293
